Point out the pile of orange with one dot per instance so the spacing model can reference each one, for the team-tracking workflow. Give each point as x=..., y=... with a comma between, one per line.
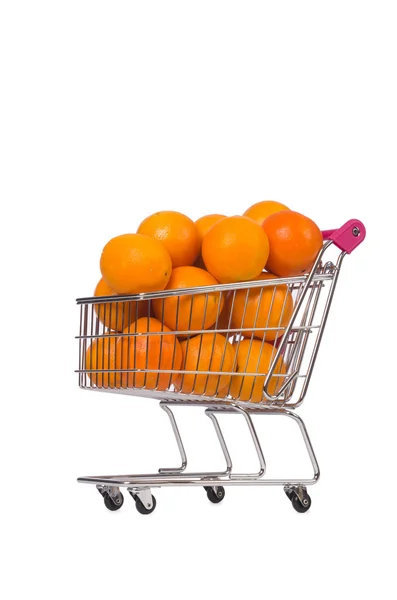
x=214, y=343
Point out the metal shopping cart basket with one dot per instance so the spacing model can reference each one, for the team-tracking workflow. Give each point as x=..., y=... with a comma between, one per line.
x=221, y=387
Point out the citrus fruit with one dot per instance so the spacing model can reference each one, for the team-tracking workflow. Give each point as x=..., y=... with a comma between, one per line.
x=254, y=356
x=176, y=232
x=269, y=306
x=235, y=249
x=101, y=354
x=295, y=241
x=206, y=352
x=203, y=225
x=189, y=312
x=133, y=263
x=261, y=210
x=117, y=315
x=155, y=352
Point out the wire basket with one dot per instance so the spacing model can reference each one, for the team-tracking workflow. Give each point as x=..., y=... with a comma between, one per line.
x=253, y=343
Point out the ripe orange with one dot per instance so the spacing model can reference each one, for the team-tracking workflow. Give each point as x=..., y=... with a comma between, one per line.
x=176, y=232
x=261, y=210
x=254, y=356
x=206, y=352
x=101, y=354
x=189, y=312
x=235, y=249
x=270, y=306
x=155, y=352
x=117, y=315
x=203, y=225
x=133, y=263
x=295, y=241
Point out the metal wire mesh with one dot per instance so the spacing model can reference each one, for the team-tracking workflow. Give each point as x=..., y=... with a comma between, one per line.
x=248, y=343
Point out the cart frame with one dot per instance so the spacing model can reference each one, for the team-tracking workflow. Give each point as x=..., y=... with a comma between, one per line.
x=281, y=402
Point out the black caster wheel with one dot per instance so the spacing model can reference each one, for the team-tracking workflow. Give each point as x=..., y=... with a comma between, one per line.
x=289, y=493
x=299, y=505
x=141, y=508
x=215, y=497
x=111, y=504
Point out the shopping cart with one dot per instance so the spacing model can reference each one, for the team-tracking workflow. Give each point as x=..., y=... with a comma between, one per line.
x=222, y=387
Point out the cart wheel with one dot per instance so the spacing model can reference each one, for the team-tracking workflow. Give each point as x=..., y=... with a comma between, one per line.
x=111, y=504
x=141, y=508
x=299, y=506
x=215, y=497
x=289, y=493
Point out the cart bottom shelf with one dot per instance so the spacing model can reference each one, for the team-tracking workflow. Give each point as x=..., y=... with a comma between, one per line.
x=214, y=482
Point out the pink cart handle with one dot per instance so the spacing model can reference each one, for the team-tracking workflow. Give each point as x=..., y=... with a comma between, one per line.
x=347, y=237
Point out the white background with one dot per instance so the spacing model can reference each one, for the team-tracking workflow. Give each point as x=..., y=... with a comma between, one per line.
x=111, y=111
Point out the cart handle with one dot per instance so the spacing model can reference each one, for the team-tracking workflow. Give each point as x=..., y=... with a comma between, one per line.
x=347, y=237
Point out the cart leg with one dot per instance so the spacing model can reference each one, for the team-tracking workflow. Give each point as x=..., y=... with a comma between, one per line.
x=233, y=410
x=256, y=441
x=309, y=447
x=170, y=471
x=211, y=414
x=179, y=470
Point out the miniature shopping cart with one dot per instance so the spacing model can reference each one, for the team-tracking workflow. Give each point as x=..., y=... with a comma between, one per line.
x=294, y=346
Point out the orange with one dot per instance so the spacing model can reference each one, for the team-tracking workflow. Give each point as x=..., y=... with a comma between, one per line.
x=133, y=263
x=261, y=210
x=269, y=306
x=117, y=315
x=206, y=352
x=101, y=354
x=176, y=232
x=203, y=225
x=254, y=356
x=235, y=249
x=155, y=352
x=189, y=312
x=295, y=241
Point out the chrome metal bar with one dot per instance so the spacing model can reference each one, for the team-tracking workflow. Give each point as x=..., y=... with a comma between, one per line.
x=225, y=287
x=305, y=435
x=256, y=441
x=178, y=438
x=191, y=332
x=211, y=414
x=155, y=480
x=179, y=371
